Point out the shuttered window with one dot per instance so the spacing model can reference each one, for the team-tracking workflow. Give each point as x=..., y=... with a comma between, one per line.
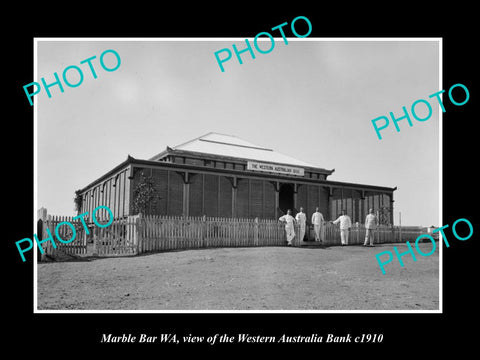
x=312, y=201
x=302, y=197
x=269, y=198
x=175, y=196
x=211, y=195
x=256, y=198
x=196, y=195
x=323, y=201
x=225, y=200
x=159, y=206
x=242, y=198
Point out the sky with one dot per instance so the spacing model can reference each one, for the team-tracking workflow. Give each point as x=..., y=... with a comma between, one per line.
x=311, y=99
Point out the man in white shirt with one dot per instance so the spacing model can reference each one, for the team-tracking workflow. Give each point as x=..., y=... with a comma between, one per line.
x=370, y=226
x=317, y=221
x=345, y=225
x=289, y=221
x=302, y=221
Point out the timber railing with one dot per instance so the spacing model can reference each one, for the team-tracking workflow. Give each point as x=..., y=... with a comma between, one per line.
x=159, y=233
x=54, y=224
x=382, y=234
x=140, y=234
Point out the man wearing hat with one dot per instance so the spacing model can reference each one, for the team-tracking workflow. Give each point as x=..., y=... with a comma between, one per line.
x=345, y=225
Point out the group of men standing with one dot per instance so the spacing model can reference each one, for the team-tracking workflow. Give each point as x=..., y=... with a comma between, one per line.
x=301, y=219
x=318, y=223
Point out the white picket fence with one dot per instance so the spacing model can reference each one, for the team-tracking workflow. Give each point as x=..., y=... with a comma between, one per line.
x=135, y=235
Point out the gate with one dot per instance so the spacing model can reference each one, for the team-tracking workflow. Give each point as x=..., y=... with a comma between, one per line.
x=118, y=239
x=54, y=224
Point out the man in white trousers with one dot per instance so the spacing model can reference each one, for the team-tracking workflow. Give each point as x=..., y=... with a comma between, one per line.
x=317, y=221
x=302, y=221
x=289, y=221
x=370, y=226
x=345, y=225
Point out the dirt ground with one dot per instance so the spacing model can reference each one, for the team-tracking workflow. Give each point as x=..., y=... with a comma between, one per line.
x=264, y=278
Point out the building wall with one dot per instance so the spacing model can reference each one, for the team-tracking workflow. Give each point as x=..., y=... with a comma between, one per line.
x=208, y=194
x=311, y=196
x=215, y=195
x=196, y=195
x=225, y=197
x=160, y=180
x=256, y=198
x=357, y=206
x=113, y=192
x=269, y=200
x=243, y=193
x=175, y=193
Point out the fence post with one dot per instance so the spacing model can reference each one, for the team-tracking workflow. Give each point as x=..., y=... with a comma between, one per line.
x=138, y=234
x=255, y=232
x=41, y=225
x=95, y=239
x=204, y=231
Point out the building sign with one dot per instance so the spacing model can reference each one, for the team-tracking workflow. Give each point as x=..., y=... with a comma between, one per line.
x=279, y=169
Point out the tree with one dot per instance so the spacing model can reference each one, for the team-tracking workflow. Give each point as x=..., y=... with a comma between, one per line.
x=143, y=194
x=78, y=200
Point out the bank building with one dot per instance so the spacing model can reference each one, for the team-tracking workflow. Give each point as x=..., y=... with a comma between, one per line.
x=219, y=175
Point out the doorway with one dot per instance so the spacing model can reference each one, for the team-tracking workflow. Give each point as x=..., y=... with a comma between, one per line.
x=285, y=198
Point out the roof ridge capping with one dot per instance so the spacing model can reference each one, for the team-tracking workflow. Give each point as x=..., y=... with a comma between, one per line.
x=219, y=138
x=239, y=145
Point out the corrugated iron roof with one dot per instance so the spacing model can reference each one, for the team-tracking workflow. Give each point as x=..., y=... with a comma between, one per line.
x=232, y=146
